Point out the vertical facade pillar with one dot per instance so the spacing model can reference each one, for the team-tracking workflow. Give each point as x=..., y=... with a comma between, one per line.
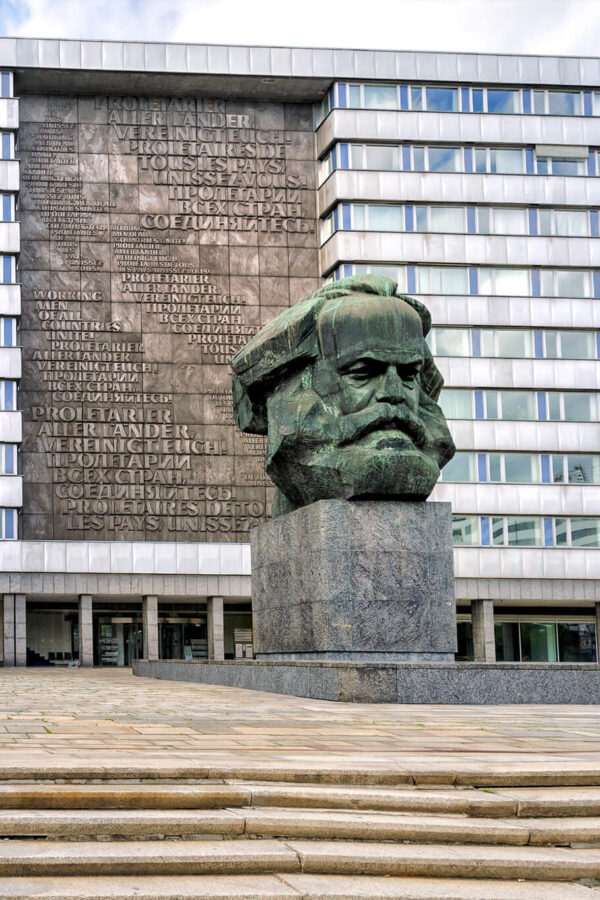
x=482, y=618
x=86, y=631
x=598, y=631
x=215, y=627
x=8, y=629
x=150, y=626
x=20, y=630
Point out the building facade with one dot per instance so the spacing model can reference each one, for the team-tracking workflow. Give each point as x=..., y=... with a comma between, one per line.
x=159, y=203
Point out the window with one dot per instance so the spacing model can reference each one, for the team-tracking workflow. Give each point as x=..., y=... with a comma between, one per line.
x=585, y=532
x=504, y=282
x=7, y=145
x=442, y=280
x=521, y=468
x=566, y=283
x=441, y=99
x=8, y=524
x=508, y=646
x=8, y=395
x=446, y=219
x=517, y=531
x=7, y=208
x=7, y=269
x=503, y=101
x=556, y=166
x=442, y=159
x=381, y=96
x=457, y=403
x=461, y=468
x=576, y=642
x=564, y=223
x=507, y=343
x=564, y=103
x=517, y=405
x=378, y=157
x=386, y=218
x=451, y=342
x=6, y=89
x=8, y=332
x=538, y=642
x=580, y=469
x=502, y=162
x=8, y=459
x=465, y=531
x=576, y=344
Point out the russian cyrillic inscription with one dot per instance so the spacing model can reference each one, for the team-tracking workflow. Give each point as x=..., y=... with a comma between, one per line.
x=158, y=235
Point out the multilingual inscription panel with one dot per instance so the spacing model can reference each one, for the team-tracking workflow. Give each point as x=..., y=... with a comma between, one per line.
x=157, y=234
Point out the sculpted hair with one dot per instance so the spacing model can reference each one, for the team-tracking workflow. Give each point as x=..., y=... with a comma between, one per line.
x=291, y=341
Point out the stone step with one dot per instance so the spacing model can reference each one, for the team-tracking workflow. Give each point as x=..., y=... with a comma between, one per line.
x=326, y=769
x=287, y=887
x=29, y=858
x=498, y=802
x=294, y=823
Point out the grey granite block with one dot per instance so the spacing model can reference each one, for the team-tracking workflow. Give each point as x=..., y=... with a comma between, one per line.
x=369, y=581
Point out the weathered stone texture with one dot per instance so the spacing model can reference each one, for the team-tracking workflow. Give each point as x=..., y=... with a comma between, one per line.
x=356, y=580
x=158, y=234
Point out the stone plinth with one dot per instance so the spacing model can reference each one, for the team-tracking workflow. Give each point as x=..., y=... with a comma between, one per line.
x=356, y=581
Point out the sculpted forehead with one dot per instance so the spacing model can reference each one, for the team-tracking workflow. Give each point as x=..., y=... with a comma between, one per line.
x=360, y=325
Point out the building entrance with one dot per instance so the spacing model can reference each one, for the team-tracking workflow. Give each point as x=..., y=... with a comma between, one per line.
x=118, y=640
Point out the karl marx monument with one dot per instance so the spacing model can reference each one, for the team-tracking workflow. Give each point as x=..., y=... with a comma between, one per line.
x=355, y=566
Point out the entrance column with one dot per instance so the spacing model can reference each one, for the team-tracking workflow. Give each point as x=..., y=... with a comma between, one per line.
x=484, y=643
x=20, y=630
x=215, y=628
x=86, y=631
x=150, y=626
x=8, y=629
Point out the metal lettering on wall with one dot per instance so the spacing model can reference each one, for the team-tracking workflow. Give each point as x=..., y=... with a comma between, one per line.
x=158, y=235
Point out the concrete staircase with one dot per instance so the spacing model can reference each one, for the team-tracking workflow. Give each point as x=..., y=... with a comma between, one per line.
x=231, y=838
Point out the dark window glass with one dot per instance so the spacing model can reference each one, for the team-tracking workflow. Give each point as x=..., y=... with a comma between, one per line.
x=538, y=642
x=577, y=643
x=464, y=640
x=583, y=469
x=507, y=641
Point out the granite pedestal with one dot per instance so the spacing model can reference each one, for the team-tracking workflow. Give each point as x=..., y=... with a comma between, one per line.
x=364, y=581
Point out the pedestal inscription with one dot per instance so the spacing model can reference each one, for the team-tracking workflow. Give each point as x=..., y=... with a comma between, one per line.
x=355, y=581
x=158, y=235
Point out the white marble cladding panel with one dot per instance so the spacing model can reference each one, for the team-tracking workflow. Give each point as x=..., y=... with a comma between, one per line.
x=9, y=174
x=10, y=241
x=10, y=362
x=526, y=562
x=541, y=312
x=462, y=249
x=464, y=128
x=455, y=187
x=10, y=299
x=300, y=62
x=534, y=437
x=539, y=374
x=125, y=557
x=9, y=113
x=520, y=499
x=11, y=491
x=11, y=430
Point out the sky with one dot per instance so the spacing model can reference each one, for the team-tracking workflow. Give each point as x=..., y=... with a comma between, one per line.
x=565, y=27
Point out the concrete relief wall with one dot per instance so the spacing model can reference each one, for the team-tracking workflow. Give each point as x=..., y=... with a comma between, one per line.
x=158, y=234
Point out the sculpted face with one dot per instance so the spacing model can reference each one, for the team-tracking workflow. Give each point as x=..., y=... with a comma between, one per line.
x=343, y=385
x=356, y=423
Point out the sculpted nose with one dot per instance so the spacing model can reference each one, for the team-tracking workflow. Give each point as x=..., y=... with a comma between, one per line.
x=391, y=389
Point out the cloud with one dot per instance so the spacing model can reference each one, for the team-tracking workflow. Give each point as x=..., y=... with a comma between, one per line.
x=565, y=27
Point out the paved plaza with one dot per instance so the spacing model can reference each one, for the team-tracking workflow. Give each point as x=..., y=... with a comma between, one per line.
x=108, y=717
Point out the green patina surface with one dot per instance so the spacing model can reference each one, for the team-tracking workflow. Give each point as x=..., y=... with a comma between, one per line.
x=344, y=386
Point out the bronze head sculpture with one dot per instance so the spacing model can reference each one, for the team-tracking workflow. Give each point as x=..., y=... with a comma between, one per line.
x=345, y=387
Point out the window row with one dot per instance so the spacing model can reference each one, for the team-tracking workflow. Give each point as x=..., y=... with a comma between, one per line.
x=7, y=207
x=8, y=524
x=529, y=639
x=7, y=145
x=522, y=468
x=515, y=343
x=467, y=160
x=454, y=219
x=6, y=84
x=8, y=459
x=8, y=269
x=483, y=280
x=525, y=531
x=8, y=395
x=444, y=98
x=520, y=406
